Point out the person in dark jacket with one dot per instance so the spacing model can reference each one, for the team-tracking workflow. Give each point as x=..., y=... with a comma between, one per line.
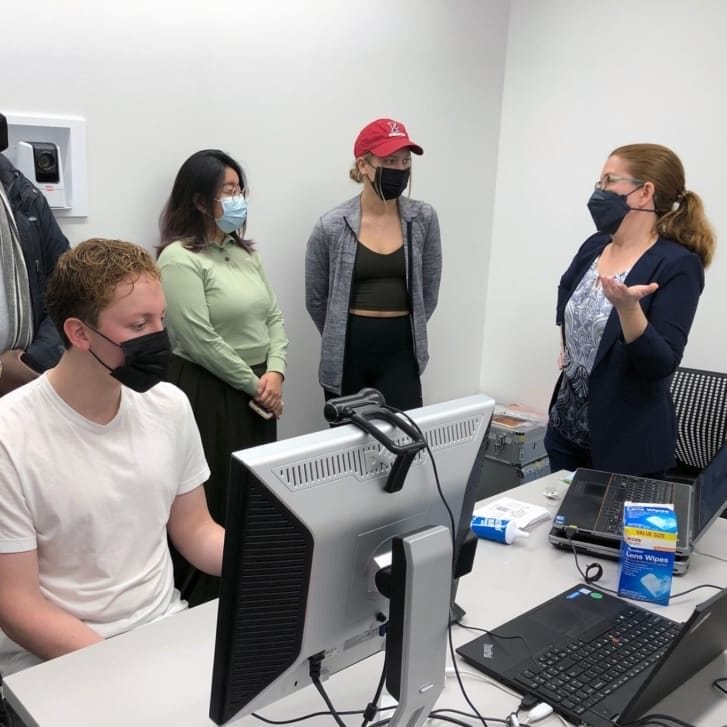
x=30, y=244
x=625, y=308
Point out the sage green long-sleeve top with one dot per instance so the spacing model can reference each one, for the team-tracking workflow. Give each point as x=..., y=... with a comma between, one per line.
x=222, y=313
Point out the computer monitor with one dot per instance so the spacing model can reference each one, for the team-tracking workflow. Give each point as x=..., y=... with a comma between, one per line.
x=306, y=519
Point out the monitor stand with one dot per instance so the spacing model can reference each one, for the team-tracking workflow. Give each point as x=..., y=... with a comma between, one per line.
x=416, y=642
x=456, y=613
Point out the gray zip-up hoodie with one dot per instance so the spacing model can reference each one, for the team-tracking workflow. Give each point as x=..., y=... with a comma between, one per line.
x=329, y=260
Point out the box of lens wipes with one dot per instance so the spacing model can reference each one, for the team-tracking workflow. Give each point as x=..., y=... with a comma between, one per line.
x=647, y=552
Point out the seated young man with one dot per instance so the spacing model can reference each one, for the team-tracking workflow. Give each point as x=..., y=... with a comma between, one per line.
x=98, y=461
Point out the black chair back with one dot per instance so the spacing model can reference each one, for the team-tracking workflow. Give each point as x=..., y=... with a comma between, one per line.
x=700, y=400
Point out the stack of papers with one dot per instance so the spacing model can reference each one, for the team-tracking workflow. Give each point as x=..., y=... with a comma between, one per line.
x=505, y=508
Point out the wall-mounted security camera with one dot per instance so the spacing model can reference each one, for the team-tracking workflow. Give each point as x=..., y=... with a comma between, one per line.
x=41, y=163
x=46, y=148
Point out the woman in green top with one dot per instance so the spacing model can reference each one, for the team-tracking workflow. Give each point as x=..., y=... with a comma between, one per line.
x=227, y=332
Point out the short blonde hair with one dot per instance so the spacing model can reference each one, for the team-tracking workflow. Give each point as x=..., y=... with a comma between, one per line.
x=84, y=280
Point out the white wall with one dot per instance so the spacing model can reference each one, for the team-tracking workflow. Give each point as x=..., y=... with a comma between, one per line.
x=284, y=86
x=581, y=79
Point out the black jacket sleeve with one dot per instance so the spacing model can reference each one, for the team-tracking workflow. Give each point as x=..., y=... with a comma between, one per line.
x=43, y=243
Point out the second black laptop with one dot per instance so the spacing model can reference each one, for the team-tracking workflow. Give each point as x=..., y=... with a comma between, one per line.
x=590, y=517
x=596, y=659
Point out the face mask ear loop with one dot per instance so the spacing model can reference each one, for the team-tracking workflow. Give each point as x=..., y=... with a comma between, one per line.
x=636, y=209
x=100, y=334
x=377, y=181
x=628, y=194
x=91, y=351
x=105, y=365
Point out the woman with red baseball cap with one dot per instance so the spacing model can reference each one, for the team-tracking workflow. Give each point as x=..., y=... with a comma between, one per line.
x=373, y=266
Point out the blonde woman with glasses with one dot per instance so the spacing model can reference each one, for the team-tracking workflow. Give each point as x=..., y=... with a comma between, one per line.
x=625, y=307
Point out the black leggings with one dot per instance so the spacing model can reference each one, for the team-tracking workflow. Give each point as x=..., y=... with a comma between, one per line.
x=380, y=353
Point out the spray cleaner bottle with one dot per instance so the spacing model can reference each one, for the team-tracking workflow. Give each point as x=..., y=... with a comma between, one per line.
x=503, y=531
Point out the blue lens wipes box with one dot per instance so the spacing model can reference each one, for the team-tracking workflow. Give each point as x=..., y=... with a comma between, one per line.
x=647, y=552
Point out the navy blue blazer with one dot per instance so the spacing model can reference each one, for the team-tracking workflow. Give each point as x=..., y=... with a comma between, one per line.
x=630, y=409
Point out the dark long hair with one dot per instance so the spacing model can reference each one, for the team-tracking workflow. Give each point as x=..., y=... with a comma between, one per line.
x=195, y=187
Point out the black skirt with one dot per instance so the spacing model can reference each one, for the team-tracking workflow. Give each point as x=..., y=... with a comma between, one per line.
x=226, y=423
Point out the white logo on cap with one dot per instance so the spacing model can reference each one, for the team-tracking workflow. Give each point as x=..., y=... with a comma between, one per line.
x=394, y=129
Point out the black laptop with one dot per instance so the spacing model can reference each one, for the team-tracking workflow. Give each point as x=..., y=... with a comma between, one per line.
x=590, y=517
x=597, y=659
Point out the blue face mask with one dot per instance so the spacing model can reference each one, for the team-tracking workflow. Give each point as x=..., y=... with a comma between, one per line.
x=234, y=213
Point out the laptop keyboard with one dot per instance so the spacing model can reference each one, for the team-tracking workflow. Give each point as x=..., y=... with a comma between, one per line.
x=580, y=674
x=635, y=489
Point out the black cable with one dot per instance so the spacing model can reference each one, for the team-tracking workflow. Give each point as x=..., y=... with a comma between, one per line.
x=315, y=675
x=529, y=654
x=494, y=634
x=435, y=714
x=658, y=719
x=590, y=580
x=696, y=588
x=459, y=678
x=312, y=715
x=442, y=718
x=438, y=714
x=595, y=569
x=717, y=684
x=322, y=692
x=454, y=555
x=436, y=474
x=304, y=717
x=598, y=570
x=373, y=706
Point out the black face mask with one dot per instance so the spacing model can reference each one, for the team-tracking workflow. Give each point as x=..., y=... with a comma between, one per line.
x=608, y=209
x=390, y=183
x=146, y=359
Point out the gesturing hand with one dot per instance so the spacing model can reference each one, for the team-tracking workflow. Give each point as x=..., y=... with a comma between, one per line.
x=625, y=296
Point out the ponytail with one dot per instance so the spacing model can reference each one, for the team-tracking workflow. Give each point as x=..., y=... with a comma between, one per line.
x=686, y=223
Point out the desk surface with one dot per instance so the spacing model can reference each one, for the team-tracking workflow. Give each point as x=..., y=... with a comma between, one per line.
x=159, y=674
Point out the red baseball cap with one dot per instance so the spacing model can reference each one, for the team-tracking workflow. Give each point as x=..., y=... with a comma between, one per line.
x=383, y=137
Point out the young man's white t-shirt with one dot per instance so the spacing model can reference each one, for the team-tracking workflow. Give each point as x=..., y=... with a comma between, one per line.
x=94, y=500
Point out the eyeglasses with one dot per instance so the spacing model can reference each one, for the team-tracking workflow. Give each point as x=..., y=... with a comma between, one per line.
x=230, y=190
x=607, y=179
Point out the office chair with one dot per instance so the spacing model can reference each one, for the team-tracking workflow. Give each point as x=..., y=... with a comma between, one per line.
x=700, y=401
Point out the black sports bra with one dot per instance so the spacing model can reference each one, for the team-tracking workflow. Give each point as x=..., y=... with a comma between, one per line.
x=379, y=280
